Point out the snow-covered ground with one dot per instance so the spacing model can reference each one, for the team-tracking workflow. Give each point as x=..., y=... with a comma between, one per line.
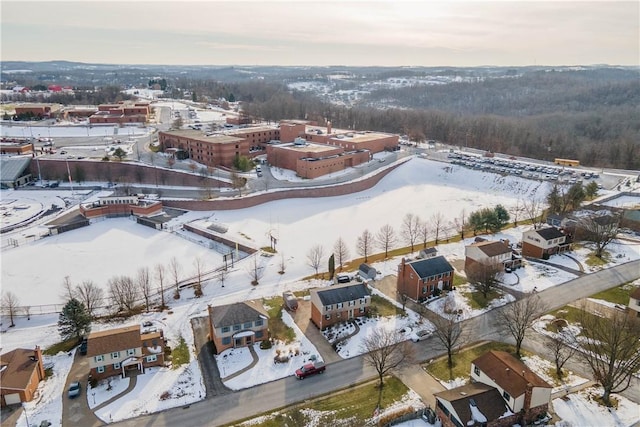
x=35, y=271
x=579, y=410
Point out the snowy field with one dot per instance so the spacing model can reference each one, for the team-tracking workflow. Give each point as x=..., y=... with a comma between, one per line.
x=66, y=130
x=35, y=271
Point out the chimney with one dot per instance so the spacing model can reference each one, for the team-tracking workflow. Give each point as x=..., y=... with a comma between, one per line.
x=37, y=353
x=328, y=127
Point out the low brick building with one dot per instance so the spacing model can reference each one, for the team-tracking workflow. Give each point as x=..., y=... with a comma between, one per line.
x=420, y=278
x=237, y=325
x=121, y=206
x=21, y=370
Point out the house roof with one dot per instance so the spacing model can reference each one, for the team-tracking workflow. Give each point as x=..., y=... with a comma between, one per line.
x=549, y=233
x=16, y=368
x=237, y=313
x=342, y=293
x=111, y=340
x=430, y=266
x=428, y=251
x=12, y=168
x=636, y=293
x=486, y=398
x=508, y=372
x=492, y=249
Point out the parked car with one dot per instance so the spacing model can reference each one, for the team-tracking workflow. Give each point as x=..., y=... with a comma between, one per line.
x=343, y=278
x=290, y=300
x=83, y=347
x=74, y=389
x=420, y=335
x=310, y=369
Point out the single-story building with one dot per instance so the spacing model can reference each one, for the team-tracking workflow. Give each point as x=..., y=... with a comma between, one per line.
x=21, y=370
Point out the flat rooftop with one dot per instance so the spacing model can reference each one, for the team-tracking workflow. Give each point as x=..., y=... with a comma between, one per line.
x=313, y=148
x=201, y=136
x=358, y=137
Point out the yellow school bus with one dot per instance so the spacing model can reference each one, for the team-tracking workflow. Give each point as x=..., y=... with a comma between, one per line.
x=567, y=162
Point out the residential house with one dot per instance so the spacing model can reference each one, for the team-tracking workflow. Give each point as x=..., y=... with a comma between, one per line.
x=634, y=303
x=519, y=386
x=491, y=253
x=237, y=325
x=21, y=370
x=419, y=279
x=428, y=253
x=339, y=304
x=474, y=404
x=544, y=242
x=122, y=350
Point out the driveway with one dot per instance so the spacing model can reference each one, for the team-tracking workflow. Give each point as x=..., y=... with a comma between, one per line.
x=302, y=317
x=208, y=366
x=76, y=412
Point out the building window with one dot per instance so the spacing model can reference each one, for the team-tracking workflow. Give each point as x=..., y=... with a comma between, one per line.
x=131, y=352
x=327, y=316
x=116, y=365
x=424, y=289
x=115, y=354
x=247, y=325
x=362, y=301
x=259, y=334
x=237, y=327
x=225, y=329
x=506, y=396
x=339, y=305
x=100, y=369
x=99, y=358
x=361, y=309
x=226, y=340
x=152, y=358
x=476, y=370
x=327, y=308
x=259, y=322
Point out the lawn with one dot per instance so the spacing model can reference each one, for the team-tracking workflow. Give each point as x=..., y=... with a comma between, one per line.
x=462, y=361
x=459, y=280
x=64, y=346
x=353, y=405
x=383, y=307
x=277, y=328
x=477, y=300
x=618, y=295
x=593, y=261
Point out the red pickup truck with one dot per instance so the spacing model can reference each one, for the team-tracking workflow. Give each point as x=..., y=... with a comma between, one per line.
x=310, y=369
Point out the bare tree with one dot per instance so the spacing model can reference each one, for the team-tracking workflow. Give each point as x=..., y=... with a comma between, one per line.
x=437, y=220
x=160, y=279
x=410, y=229
x=10, y=303
x=199, y=266
x=123, y=291
x=144, y=285
x=533, y=209
x=516, y=211
x=314, y=257
x=27, y=311
x=222, y=276
x=341, y=250
x=89, y=294
x=449, y=334
x=485, y=276
x=561, y=350
x=611, y=350
x=599, y=230
x=386, y=350
x=282, y=264
x=237, y=182
x=460, y=223
x=423, y=232
x=255, y=270
x=174, y=269
x=518, y=317
x=67, y=287
x=386, y=238
x=364, y=244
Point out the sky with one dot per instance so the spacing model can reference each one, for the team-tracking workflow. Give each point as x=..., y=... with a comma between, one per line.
x=317, y=33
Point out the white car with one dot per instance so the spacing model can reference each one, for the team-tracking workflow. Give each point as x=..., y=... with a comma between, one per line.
x=420, y=335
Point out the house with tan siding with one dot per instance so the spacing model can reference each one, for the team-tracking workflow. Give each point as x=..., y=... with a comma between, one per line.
x=238, y=325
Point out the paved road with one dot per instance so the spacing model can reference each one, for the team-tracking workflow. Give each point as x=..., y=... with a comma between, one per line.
x=249, y=402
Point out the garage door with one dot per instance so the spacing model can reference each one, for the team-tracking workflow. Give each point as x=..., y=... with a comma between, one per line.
x=12, y=399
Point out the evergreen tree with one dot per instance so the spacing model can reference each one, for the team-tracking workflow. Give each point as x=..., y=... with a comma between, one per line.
x=74, y=320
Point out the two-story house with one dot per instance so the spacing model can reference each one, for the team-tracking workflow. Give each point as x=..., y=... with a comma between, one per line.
x=339, y=304
x=237, y=325
x=544, y=242
x=118, y=351
x=503, y=392
x=491, y=253
x=419, y=279
x=634, y=303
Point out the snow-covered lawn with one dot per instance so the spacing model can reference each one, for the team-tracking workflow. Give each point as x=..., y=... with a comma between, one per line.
x=580, y=410
x=544, y=367
x=455, y=301
x=106, y=389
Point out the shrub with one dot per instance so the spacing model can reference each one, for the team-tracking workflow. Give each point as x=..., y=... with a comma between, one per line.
x=265, y=344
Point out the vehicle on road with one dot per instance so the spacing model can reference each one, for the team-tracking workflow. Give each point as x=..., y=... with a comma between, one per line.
x=420, y=335
x=74, y=389
x=310, y=369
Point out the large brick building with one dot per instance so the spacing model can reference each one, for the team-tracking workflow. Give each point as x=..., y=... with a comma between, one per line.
x=122, y=113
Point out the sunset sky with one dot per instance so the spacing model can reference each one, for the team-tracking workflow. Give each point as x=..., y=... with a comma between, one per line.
x=384, y=33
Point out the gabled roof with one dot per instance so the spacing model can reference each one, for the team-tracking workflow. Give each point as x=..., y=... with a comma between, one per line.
x=492, y=249
x=549, y=233
x=430, y=266
x=12, y=168
x=508, y=372
x=486, y=398
x=112, y=340
x=342, y=293
x=16, y=368
x=237, y=313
